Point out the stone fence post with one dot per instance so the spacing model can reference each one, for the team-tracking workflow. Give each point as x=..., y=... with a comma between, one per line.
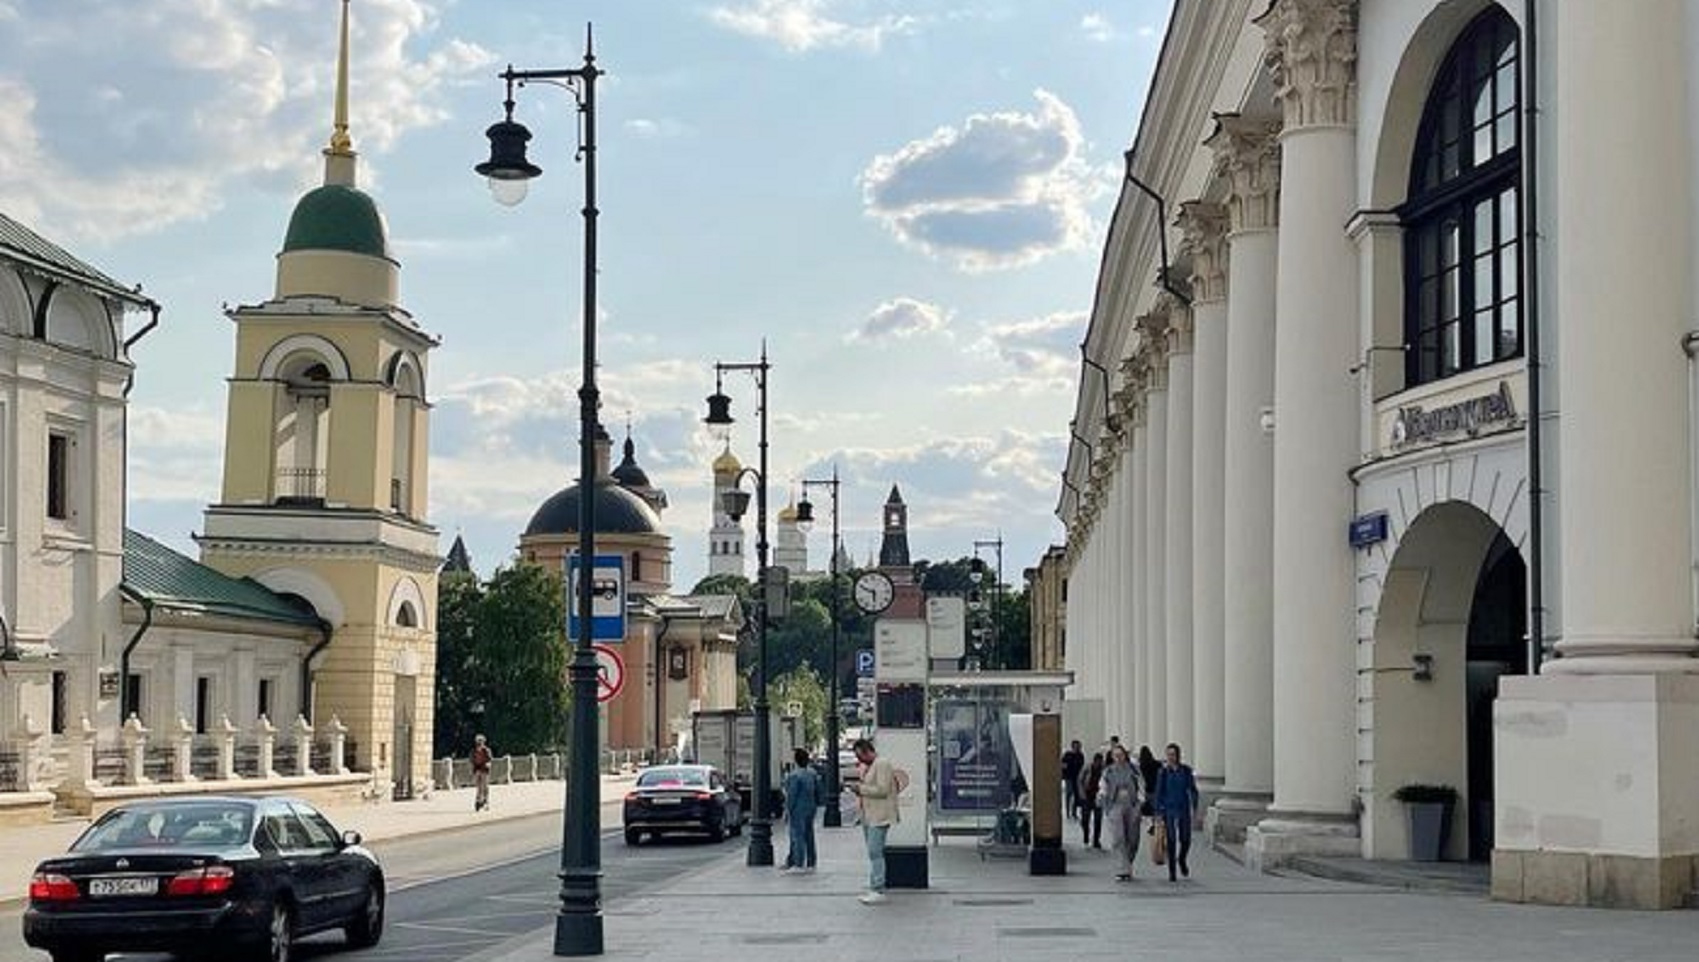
x=501, y=771
x=226, y=735
x=135, y=751
x=79, y=766
x=183, y=751
x=338, y=745
x=303, y=746
x=265, y=733
x=30, y=743
x=442, y=773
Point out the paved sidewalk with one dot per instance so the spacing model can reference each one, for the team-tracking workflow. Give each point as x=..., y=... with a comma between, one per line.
x=993, y=910
x=22, y=848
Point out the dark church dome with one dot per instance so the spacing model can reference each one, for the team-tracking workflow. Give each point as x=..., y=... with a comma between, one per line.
x=618, y=511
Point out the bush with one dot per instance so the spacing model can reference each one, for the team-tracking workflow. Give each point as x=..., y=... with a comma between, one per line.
x=1416, y=794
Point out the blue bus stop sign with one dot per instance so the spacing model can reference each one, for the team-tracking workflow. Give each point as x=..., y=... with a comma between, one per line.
x=607, y=603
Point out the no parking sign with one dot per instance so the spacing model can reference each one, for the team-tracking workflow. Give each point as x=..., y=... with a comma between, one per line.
x=610, y=673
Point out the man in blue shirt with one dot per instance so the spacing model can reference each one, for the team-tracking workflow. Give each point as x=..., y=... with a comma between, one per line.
x=1177, y=804
x=802, y=797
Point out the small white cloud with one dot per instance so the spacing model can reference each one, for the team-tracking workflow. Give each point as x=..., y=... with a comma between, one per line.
x=657, y=128
x=1002, y=190
x=1041, y=355
x=799, y=26
x=1097, y=28
x=900, y=319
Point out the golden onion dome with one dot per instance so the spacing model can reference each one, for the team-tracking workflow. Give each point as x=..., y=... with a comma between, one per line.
x=727, y=463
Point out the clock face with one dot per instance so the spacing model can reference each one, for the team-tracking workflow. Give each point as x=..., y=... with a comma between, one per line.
x=874, y=591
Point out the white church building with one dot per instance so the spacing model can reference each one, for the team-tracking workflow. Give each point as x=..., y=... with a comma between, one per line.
x=1382, y=469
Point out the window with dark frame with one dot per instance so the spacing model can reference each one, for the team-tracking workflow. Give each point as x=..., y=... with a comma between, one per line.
x=58, y=476
x=133, y=696
x=265, y=697
x=1462, y=259
x=61, y=698
x=203, y=704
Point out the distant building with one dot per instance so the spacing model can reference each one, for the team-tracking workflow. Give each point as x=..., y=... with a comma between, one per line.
x=726, y=537
x=1047, y=599
x=790, y=549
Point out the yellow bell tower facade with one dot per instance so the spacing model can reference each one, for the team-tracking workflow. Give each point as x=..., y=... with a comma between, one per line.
x=326, y=467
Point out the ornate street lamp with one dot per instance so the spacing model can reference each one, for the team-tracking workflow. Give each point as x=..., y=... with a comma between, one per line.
x=834, y=816
x=736, y=502
x=976, y=574
x=578, y=925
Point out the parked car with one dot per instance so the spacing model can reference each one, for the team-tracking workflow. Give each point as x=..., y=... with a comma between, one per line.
x=682, y=798
x=205, y=877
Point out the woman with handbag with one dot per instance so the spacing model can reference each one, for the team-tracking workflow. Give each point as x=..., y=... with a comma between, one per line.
x=1091, y=813
x=1122, y=793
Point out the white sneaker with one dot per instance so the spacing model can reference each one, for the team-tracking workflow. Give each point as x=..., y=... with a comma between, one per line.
x=872, y=898
x=788, y=869
x=806, y=870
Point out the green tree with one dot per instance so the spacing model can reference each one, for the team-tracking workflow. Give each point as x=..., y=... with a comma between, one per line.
x=726, y=585
x=803, y=686
x=1014, y=631
x=506, y=674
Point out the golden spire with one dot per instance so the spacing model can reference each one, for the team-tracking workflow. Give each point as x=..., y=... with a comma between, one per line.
x=341, y=145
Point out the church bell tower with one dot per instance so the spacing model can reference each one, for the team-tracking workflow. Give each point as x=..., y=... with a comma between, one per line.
x=325, y=466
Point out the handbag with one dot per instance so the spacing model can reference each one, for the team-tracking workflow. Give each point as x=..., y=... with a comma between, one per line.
x=1159, y=849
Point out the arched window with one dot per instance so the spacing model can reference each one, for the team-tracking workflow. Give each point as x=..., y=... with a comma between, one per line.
x=1463, y=265
x=405, y=616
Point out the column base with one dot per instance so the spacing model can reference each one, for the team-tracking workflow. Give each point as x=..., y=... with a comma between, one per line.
x=1233, y=812
x=1616, y=830
x=1281, y=836
x=906, y=867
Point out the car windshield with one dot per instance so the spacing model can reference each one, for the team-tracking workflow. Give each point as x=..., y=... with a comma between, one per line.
x=182, y=826
x=671, y=777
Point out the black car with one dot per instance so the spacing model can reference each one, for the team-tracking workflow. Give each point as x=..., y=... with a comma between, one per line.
x=207, y=877
x=682, y=798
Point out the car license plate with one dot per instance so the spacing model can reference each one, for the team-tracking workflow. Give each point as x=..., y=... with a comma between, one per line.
x=667, y=801
x=123, y=886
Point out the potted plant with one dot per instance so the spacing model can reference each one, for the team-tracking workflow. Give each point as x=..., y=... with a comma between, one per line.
x=1428, y=809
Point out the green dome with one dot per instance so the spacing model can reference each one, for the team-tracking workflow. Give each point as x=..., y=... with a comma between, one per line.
x=337, y=218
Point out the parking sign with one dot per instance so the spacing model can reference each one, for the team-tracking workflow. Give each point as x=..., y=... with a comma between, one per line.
x=864, y=663
x=607, y=601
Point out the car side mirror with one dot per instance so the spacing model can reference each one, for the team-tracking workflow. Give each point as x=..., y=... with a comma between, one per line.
x=350, y=837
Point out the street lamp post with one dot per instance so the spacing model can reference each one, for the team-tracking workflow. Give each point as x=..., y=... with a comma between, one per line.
x=996, y=593
x=736, y=503
x=578, y=925
x=834, y=816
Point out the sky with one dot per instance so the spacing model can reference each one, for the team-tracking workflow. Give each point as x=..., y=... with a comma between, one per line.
x=906, y=201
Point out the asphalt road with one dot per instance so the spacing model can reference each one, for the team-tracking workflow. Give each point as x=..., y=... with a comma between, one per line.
x=455, y=894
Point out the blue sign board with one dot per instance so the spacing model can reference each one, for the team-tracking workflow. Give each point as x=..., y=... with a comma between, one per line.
x=607, y=602
x=864, y=663
x=1368, y=529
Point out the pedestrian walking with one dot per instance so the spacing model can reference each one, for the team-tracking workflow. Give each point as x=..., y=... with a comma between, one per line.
x=480, y=773
x=1121, y=794
x=802, y=799
x=1073, y=763
x=877, y=790
x=1091, y=813
x=1149, y=769
x=1177, y=803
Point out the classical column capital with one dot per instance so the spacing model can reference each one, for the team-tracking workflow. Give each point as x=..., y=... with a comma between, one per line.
x=1178, y=337
x=1203, y=237
x=1247, y=154
x=1310, y=50
x=1153, y=344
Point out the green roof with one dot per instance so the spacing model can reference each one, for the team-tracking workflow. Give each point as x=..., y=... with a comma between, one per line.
x=21, y=244
x=174, y=581
x=337, y=217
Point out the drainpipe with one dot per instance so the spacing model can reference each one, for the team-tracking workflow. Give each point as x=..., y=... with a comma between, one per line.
x=307, y=671
x=1165, y=277
x=124, y=706
x=1531, y=304
x=129, y=342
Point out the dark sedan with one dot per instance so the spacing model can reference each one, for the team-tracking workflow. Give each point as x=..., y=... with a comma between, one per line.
x=682, y=798
x=205, y=878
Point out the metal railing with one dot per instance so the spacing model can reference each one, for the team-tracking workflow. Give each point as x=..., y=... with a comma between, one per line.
x=300, y=484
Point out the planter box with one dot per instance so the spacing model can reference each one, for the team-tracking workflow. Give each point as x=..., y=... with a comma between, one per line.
x=1430, y=829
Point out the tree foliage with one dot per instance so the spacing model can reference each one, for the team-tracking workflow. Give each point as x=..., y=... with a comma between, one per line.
x=501, y=662
x=803, y=686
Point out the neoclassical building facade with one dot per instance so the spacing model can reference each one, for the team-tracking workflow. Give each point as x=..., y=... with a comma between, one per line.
x=1382, y=460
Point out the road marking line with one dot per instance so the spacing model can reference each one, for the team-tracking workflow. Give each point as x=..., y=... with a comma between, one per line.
x=453, y=928
x=504, y=863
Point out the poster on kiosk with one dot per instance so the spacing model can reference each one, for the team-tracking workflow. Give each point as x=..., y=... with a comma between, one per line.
x=900, y=724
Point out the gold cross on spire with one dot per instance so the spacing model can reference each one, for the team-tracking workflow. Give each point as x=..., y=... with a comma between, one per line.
x=341, y=145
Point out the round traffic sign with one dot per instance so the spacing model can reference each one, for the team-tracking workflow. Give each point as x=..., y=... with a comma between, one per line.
x=610, y=673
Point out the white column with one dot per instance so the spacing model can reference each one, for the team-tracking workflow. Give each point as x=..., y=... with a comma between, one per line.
x=1311, y=52
x=1248, y=153
x=1154, y=330
x=1177, y=540
x=1204, y=226
x=1624, y=686
x=1123, y=602
x=1134, y=584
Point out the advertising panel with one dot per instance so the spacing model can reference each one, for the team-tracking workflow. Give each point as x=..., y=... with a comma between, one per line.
x=975, y=756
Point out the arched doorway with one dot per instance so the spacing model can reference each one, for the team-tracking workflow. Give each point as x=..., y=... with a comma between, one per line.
x=1451, y=621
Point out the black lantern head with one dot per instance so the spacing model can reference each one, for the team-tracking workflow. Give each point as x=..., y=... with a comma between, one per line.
x=507, y=152
x=736, y=503
x=804, y=513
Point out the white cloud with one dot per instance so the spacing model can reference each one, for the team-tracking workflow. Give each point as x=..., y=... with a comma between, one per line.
x=1040, y=356
x=1097, y=28
x=657, y=128
x=799, y=26
x=1002, y=190
x=900, y=319
x=213, y=92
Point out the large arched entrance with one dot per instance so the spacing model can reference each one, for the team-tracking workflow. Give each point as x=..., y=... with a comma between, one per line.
x=1451, y=621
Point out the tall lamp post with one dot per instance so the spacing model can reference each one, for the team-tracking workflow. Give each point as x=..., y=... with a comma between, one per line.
x=834, y=816
x=976, y=573
x=736, y=503
x=578, y=925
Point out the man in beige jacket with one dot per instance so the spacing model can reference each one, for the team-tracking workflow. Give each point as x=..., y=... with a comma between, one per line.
x=878, y=791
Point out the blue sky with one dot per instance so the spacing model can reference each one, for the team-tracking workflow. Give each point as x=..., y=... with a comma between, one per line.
x=907, y=200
